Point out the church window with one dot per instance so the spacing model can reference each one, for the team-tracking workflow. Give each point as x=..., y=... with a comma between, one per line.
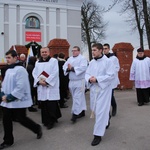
x=32, y=22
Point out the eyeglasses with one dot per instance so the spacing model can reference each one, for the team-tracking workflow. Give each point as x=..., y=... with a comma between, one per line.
x=74, y=50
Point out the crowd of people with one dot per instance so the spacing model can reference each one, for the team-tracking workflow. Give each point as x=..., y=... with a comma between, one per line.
x=46, y=82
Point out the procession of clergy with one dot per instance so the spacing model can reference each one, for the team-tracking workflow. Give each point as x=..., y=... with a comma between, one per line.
x=100, y=76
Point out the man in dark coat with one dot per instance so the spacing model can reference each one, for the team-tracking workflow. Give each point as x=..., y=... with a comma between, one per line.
x=30, y=68
x=63, y=80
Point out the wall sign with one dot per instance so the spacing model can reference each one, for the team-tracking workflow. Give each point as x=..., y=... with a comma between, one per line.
x=47, y=1
x=33, y=36
x=53, y=1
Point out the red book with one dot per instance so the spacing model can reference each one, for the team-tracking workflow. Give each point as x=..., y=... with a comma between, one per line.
x=43, y=75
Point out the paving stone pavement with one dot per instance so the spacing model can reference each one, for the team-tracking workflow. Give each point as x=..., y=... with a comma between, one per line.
x=129, y=129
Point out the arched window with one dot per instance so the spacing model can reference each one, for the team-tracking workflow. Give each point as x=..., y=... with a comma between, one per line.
x=32, y=22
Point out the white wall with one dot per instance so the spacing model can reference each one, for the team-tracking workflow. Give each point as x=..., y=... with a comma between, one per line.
x=16, y=11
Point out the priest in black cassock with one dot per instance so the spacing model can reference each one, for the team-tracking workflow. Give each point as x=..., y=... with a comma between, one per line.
x=46, y=79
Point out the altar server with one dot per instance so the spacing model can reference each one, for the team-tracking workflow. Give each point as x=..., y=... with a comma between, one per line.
x=99, y=76
x=76, y=66
x=115, y=61
x=16, y=97
x=140, y=73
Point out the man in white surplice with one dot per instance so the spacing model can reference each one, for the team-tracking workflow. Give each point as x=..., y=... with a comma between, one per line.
x=140, y=73
x=99, y=75
x=76, y=66
x=16, y=97
x=46, y=79
x=114, y=59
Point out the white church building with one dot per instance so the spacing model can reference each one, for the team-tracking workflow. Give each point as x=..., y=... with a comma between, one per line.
x=22, y=21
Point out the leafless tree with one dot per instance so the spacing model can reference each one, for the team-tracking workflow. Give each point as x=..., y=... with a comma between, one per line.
x=139, y=17
x=93, y=27
x=139, y=20
x=146, y=13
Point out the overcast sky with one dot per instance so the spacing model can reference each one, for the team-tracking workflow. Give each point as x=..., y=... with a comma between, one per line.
x=118, y=30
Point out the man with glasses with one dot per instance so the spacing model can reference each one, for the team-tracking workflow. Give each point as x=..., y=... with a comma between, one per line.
x=114, y=59
x=76, y=66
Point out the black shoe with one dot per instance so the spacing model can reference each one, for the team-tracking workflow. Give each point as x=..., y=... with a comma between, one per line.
x=15, y=120
x=50, y=126
x=74, y=118
x=4, y=145
x=108, y=122
x=82, y=114
x=114, y=111
x=67, y=97
x=32, y=109
x=140, y=104
x=39, y=134
x=108, y=125
x=63, y=106
x=86, y=90
x=96, y=140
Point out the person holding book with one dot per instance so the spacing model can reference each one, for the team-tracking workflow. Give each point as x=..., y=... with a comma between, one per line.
x=46, y=79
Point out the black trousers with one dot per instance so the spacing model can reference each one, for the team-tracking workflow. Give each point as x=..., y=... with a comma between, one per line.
x=20, y=115
x=63, y=94
x=50, y=112
x=113, y=101
x=34, y=95
x=143, y=95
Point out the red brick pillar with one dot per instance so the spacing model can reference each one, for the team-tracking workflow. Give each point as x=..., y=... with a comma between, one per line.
x=124, y=52
x=59, y=45
x=21, y=49
x=147, y=53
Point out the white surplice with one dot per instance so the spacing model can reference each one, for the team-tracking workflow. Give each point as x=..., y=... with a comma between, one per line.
x=115, y=62
x=140, y=72
x=77, y=82
x=16, y=83
x=51, y=91
x=100, y=93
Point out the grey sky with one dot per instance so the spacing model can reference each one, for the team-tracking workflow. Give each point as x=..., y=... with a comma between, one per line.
x=118, y=29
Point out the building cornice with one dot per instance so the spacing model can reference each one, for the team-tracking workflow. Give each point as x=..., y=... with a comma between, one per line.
x=66, y=4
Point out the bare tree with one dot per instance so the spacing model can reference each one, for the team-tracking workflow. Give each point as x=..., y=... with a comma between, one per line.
x=139, y=21
x=93, y=27
x=139, y=17
x=147, y=20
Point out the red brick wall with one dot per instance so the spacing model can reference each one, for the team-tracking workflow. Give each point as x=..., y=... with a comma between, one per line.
x=147, y=53
x=59, y=45
x=21, y=49
x=124, y=52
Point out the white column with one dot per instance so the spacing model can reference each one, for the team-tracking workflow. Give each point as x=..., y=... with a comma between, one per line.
x=52, y=21
x=63, y=23
x=22, y=24
x=12, y=25
x=44, y=29
x=2, y=51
